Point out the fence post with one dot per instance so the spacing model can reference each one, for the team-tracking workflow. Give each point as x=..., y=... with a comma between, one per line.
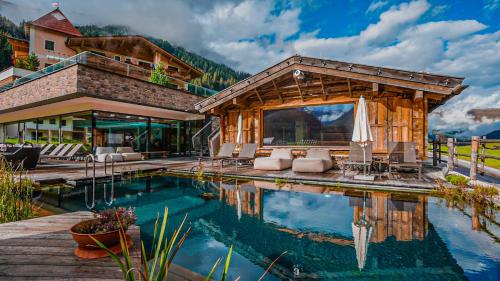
x=473, y=157
x=434, y=152
x=483, y=155
x=451, y=153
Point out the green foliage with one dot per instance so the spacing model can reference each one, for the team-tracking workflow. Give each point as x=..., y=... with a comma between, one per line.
x=159, y=76
x=457, y=180
x=30, y=63
x=216, y=76
x=16, y=192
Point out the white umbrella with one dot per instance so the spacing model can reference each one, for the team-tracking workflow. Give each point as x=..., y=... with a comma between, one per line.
x=361, y=231
x=362, y=133
x=238, y=198
x=239, y=138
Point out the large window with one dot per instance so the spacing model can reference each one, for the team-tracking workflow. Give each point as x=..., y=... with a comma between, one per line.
x=325, y=125
x=49, y=45
x=115, y=130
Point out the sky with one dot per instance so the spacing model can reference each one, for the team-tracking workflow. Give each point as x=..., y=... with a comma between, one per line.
x=457, y=38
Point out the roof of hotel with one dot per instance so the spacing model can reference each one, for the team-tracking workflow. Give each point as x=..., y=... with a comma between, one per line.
x=447, y=86
x=56, y=21
x=114, y=42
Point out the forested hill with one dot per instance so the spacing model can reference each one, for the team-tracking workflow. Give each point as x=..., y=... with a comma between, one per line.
x=8, y=28
x=216, y=76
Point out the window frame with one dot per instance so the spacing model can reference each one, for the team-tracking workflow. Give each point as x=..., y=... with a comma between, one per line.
x=118, y=58
x=53, y=45
x=261, y=126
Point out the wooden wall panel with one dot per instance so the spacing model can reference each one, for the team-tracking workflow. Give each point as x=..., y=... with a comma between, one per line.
x=377, y=110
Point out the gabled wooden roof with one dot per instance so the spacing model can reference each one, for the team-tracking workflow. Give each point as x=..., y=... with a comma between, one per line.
x=132, y=45
x=443, y=87
x=56, y=21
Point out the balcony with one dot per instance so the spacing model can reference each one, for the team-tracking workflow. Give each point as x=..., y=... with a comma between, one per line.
x=104, y=63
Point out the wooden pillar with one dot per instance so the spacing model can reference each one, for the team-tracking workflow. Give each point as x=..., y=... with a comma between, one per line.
x=451, y=154
x=434, y=153
x=473, y=157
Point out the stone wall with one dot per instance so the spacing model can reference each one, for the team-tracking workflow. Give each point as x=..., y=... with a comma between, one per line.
x=108, y=85
x=80, y=80
x=52, y=86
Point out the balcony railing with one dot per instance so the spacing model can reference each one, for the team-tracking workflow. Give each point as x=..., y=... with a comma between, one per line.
x=105, y=63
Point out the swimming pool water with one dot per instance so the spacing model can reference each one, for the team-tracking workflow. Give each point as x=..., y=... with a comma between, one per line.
x=327, y=235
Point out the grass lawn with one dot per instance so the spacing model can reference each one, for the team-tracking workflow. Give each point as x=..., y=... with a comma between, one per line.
x=466, y=150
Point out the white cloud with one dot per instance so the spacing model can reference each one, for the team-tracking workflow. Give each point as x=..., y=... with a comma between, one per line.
x=492, y=5
x=376, y=5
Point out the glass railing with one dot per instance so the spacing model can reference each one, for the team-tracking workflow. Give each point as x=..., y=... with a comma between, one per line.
x=105, y=63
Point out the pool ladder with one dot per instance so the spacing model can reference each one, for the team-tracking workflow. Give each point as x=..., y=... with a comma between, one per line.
x=109, y=202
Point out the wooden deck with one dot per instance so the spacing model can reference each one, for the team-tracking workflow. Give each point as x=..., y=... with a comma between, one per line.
x=75, y=172
x=43, y=249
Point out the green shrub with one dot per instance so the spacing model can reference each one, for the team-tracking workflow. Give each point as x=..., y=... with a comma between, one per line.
x=457, y=180
x=16, y=194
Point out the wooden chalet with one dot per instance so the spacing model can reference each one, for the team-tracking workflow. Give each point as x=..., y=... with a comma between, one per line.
x=305, y=102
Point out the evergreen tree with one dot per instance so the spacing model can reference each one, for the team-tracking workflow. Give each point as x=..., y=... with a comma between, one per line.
x=32, y=63
x=159, y=76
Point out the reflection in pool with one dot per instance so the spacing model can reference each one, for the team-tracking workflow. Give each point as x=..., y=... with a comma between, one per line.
x=327, y=234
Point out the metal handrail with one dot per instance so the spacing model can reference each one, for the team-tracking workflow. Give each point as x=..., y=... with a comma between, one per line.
x=110, y=202
x=92, y=205
x=200, y=131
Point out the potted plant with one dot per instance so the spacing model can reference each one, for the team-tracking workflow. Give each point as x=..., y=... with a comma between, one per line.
x=105, y=227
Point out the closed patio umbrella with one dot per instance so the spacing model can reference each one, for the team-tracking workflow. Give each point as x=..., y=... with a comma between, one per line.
x=239, y=137
x=362, y=132
x=361, y=231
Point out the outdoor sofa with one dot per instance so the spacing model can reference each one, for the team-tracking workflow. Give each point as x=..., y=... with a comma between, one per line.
x=280, y=159
x=316, y=161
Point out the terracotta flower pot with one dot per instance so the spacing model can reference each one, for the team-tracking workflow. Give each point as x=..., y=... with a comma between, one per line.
x=85, y=241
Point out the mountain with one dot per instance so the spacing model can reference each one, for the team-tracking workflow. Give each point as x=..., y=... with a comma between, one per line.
x=495, y=135
x=216, y=76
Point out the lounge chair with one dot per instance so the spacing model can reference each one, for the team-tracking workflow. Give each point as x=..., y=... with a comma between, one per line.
x=226, y=151
x=280, y=159
x=62, y=155
x=316, y=161
x=25, y=157
x=57, y=149
x=246, y=155
x=101, y=153
x=46, y=148
x=358, y=158
x=129, y=154
x=404, y=155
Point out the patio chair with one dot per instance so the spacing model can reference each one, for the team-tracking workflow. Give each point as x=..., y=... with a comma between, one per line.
x=246, y=155
x=404, y=155
x=316, y=161
x=57, y=149
x=280, y=159
x=46, y=148
x=71, y=153
x=226, y=151
x=358, y=158
x=129, y=154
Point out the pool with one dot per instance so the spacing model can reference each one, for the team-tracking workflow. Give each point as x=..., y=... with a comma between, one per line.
x=327, y=234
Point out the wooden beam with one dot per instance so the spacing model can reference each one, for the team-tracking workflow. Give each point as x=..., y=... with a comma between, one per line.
x=323, y=87
x=349, y=86
x=375, y=90
x=298, y=87
x=418, y=95
x=241, y=102
x=258, y=96
x=277, y=91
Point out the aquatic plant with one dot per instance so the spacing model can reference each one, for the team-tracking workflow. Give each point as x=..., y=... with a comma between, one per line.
x=163, y=251
x=16, y=194
x=457, y=180
x=108, y=220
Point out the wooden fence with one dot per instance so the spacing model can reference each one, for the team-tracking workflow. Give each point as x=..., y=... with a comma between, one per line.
x=477, y=156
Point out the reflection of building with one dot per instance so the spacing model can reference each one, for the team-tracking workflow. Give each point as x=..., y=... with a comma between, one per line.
x=406, y=219
x=245, y=196
x=96, y=90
